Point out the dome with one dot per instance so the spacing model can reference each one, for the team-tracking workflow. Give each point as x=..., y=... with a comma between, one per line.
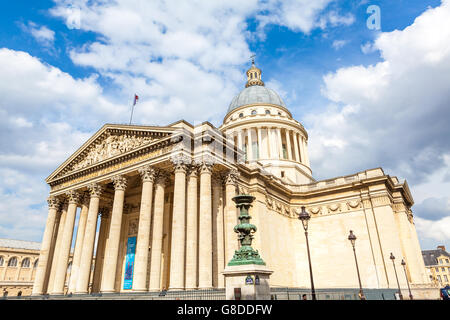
x=255, y=94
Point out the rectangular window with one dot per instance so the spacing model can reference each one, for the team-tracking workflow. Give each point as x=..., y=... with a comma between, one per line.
x=437, y=269
x=439, y=278
x=443, y=269
x=445, y=279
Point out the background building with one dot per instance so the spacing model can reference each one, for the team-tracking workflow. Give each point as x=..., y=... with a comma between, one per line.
x=162, y=196
x=437, y=263
x=18, y=263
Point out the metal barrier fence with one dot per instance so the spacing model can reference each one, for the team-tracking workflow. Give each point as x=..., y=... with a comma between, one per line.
x=330, y=294
x=277, y=293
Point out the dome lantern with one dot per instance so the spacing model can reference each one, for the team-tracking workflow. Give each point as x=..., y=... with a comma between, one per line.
x=254, y=76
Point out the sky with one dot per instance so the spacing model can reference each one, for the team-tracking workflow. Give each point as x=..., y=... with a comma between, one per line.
x=369, y=80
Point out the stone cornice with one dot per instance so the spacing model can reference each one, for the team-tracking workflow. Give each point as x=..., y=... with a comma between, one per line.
x=257, y=105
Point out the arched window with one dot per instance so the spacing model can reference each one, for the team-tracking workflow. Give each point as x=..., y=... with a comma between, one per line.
x=253, y=112
x=241, y=115
x=26, y=263
x=1, y=261
x=12, y=262
x=36, y=263
x=267, y=111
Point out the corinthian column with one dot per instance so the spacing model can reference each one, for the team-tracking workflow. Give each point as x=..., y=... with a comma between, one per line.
x=177, y=252
x=217, y=227
x=84, y=272
x=231, y=242
x=143, y=238
x=205, y=227
x=43, y=265
x=157, y=236
x=59, y=236
x=288, y=144
x=66, y=242
x=79, y=243
x=112, y=245
x=297, y=153
x=192, y=229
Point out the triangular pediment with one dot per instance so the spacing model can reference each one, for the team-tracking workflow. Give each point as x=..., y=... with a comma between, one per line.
x=109, y=142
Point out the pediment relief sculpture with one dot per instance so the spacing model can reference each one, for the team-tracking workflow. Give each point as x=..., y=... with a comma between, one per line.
x=107, y=146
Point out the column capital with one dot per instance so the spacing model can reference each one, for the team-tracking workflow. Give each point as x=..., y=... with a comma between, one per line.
x=180, y=163
x=148, y=173
x=53, y=202
x=85, y=198
x=120, y=182
x=193, y=170
x=73, y=197
x=205, y=164
x=95, y=190
x=64, y=204
x=231, y=177
x=162, y=178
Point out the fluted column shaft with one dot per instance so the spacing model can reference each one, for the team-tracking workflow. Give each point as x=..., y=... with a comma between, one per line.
x=300, y=144
x=177, y=252
x=43, y=265
x=297, y=153
x=191, y=230
x=66, y=242
x=112, y=245
x=143, y=238
x=230, y=215
x=88, y=240
x=157, y=236
x=218, y=237
x=79, y=243
x=260, y=154
x=305, y=152
x=288, y=144
x=280, y=143
x=100, y=251
x=249, y=145
x=56, y=256
x=205, y=228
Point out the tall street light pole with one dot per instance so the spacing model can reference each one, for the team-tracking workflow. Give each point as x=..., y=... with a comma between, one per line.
x=352, y=239
x=304, y=218
x=395, y=270
x=406, y=276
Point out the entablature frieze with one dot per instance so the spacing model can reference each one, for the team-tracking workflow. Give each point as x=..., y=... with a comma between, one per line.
x=152, y=152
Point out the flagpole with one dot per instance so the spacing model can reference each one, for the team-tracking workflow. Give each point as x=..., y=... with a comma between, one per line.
x=132, y=108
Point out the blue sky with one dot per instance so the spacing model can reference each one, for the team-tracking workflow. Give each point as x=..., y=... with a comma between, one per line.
x=368, y=98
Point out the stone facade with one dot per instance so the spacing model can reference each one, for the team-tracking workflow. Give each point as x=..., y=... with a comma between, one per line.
x=171, y=187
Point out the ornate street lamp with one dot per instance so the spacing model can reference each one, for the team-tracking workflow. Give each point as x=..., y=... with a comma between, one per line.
x=352, y=239
x=395, y=270
x=304, y=218
x=409, y=289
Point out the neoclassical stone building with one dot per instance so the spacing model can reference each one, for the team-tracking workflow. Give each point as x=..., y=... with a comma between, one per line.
x=160, y=198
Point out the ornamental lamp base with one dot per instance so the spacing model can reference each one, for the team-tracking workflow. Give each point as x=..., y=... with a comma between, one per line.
x=247, y=282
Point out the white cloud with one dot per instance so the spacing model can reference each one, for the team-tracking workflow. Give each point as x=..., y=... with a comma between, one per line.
x=42, y=34
x=338, y=44
x=399, y=106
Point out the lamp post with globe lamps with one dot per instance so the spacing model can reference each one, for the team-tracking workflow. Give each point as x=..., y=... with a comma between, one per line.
x=395, y=270
x=403, y=263
x=352, y=239
x=304, y=218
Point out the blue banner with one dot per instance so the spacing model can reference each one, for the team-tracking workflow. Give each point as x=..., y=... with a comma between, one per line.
x=129, y=263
